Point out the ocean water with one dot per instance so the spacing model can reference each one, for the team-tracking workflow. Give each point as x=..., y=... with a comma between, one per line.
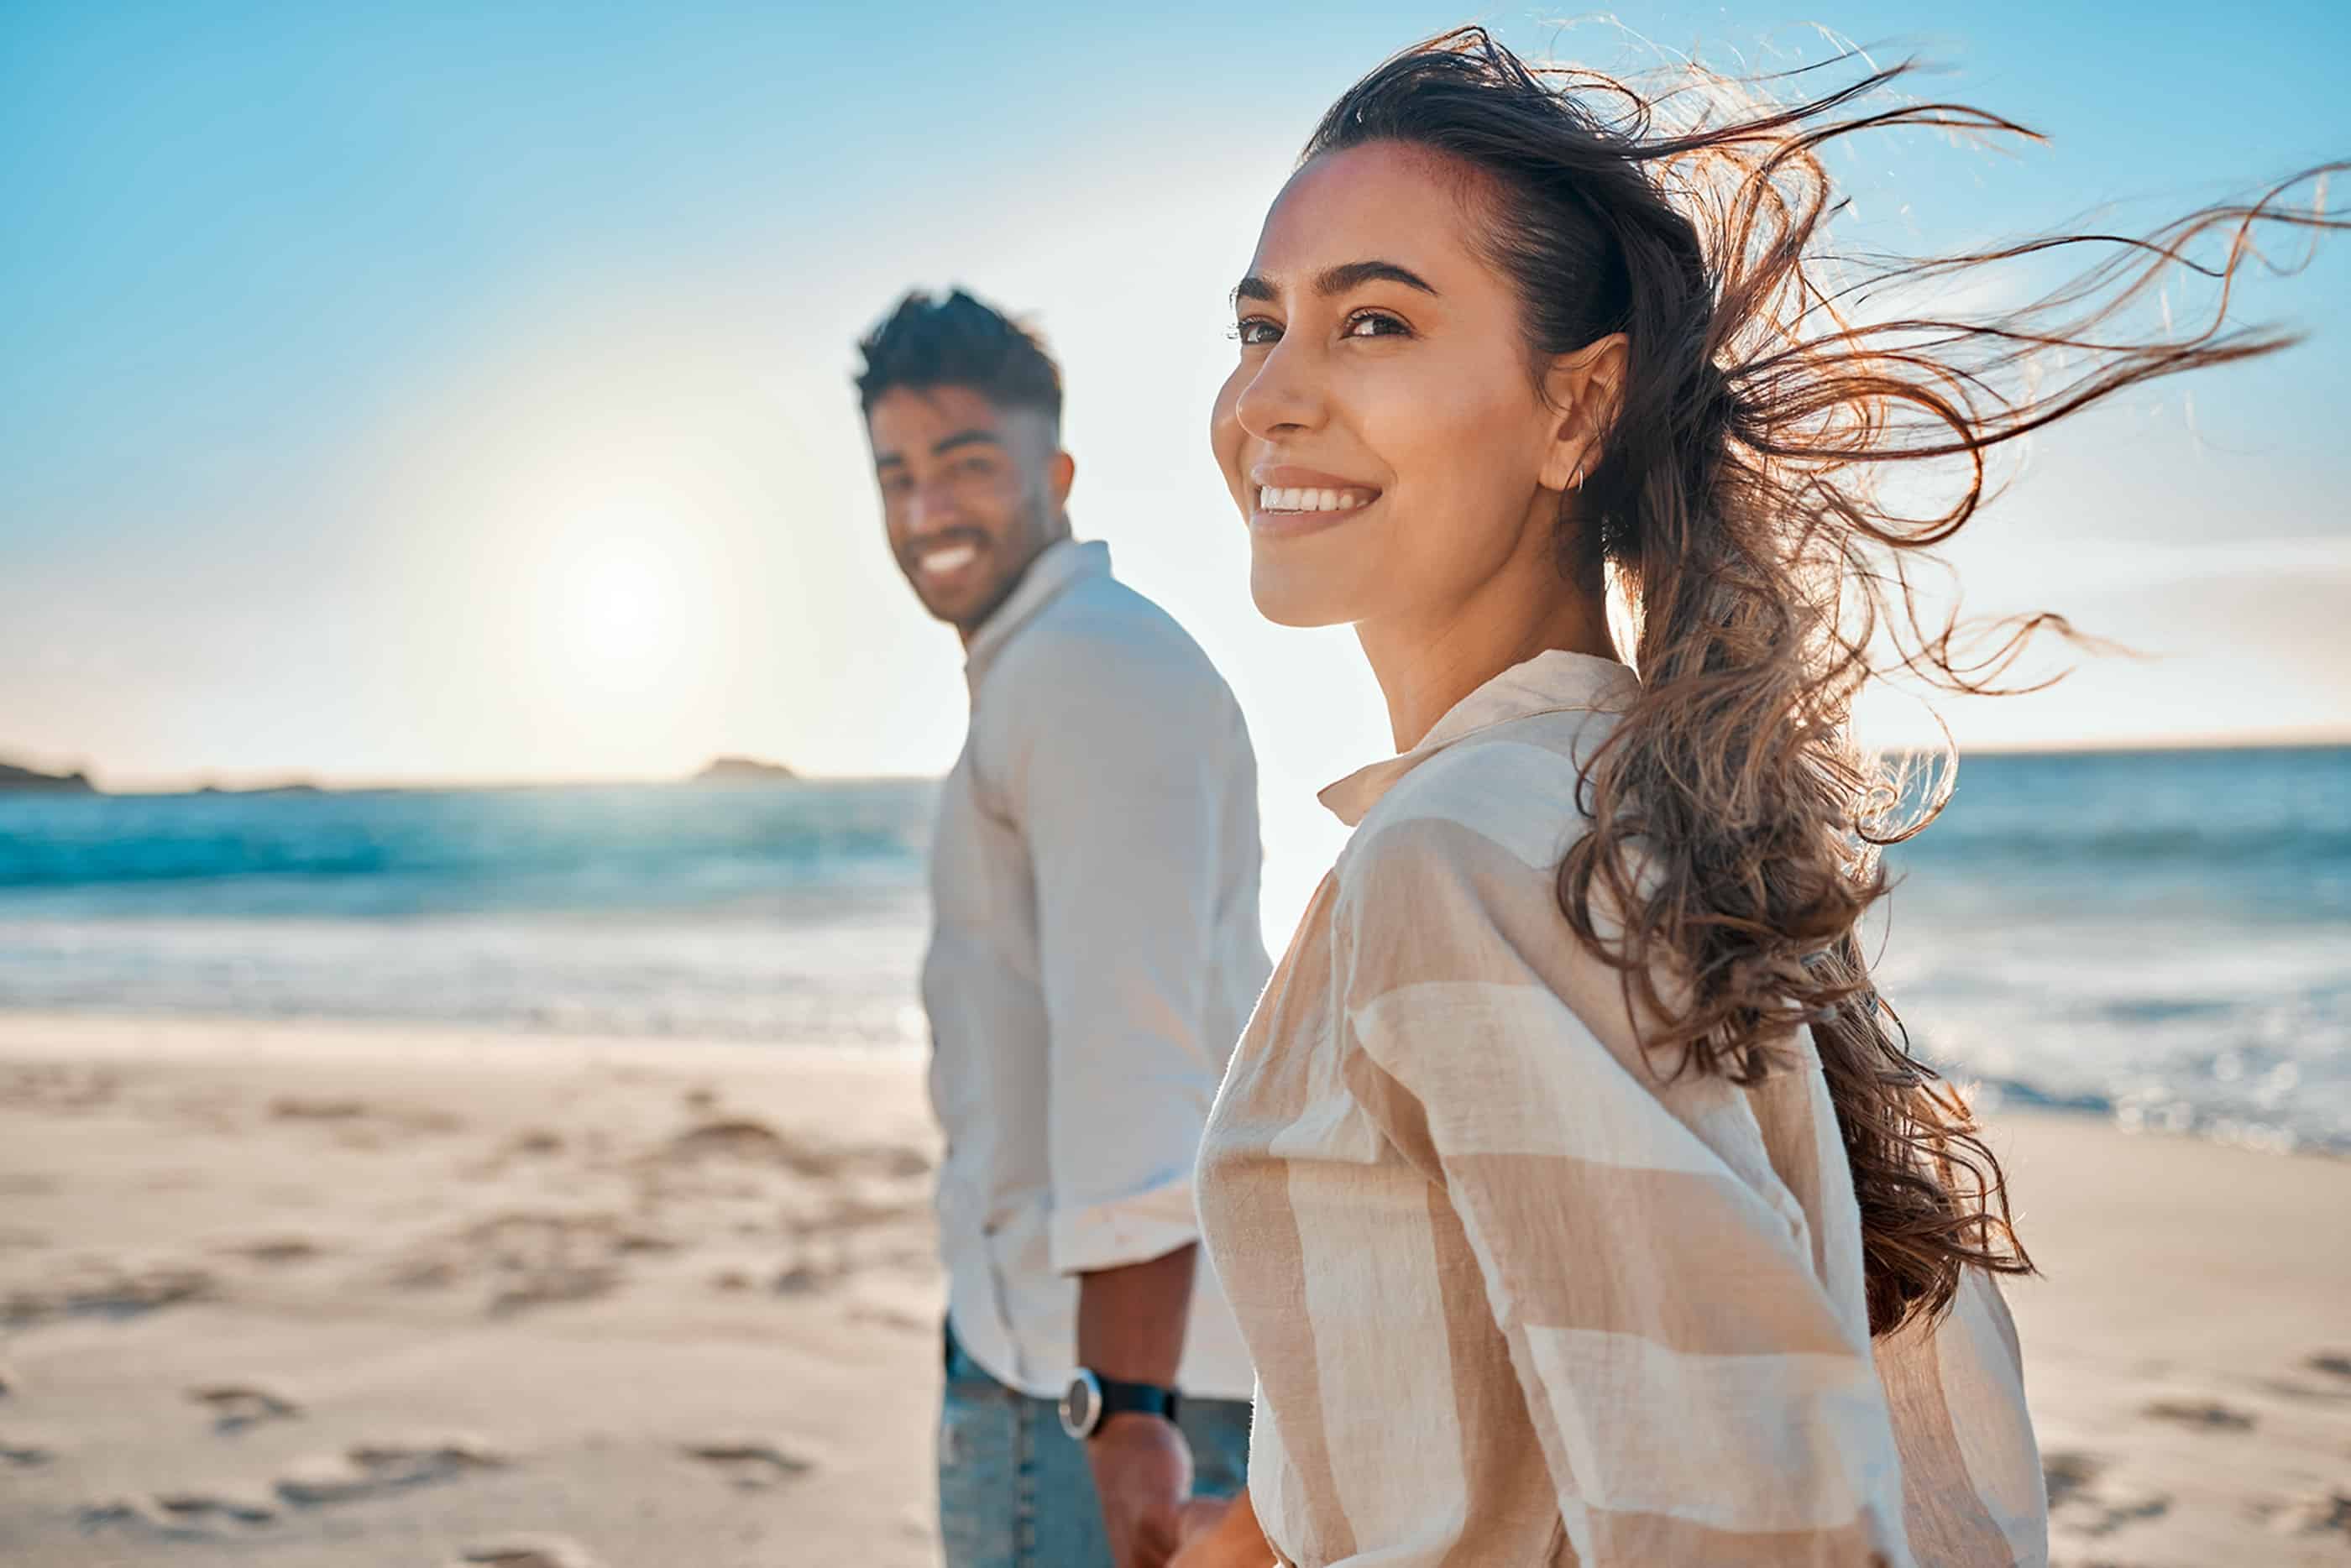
x=787, y=913
x=2164, y=937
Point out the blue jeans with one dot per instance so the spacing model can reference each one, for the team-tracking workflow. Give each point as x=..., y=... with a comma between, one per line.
x=1014, y=1489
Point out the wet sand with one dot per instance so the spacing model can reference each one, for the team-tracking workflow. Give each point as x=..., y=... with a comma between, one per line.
x=352, y=1297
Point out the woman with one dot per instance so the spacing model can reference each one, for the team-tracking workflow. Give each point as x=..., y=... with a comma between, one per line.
x=1579, y=1201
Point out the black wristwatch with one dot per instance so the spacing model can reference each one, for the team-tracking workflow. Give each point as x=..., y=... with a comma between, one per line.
x=1091, y=1400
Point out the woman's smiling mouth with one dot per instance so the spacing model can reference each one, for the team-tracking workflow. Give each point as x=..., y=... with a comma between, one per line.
x=1303, y=500
x=1312, y=498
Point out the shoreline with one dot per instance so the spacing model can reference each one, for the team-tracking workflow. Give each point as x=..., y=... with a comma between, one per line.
x=360, y=1296
x=300, y=1035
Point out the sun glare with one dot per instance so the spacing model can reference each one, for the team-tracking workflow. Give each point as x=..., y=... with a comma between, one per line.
x=618, y=614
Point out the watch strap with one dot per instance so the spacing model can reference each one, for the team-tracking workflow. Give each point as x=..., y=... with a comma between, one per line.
x=1141, y=1398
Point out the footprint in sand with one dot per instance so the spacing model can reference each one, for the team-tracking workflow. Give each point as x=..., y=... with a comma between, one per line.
x=526, y=1551
x=359, y=1124
x=752, y=1141
x=237, y=1406
x=59, y=1088
x=550, y=1285
x=2067, y=1475
x=731, y=1138
x=108, y=1290
x=894, y=1314
x=799, y=1280
x=302, y=1109
x=180, y=1516
x=2098, y=1516
x=750, y=1464
x=2209, y=1414
x=531, y=1259
x=370, y=1470
x=530, y=1143
x=2334, y=1362
x=2079, y=1505
x=275, y=1251
x=2326, y=1513
x=21, y=1452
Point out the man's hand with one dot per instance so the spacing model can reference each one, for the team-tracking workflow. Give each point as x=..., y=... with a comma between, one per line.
x=1222, y=1533
x=1142, y=1472
x=1131, y=1327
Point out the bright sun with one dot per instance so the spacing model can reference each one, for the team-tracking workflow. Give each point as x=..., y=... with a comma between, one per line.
x=618, y=614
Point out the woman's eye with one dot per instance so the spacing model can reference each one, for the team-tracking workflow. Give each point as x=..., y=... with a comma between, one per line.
x=1257, y=332
x=1375, y=324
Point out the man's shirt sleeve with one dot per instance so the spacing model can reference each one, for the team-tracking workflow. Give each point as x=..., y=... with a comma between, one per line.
x=1119, y=782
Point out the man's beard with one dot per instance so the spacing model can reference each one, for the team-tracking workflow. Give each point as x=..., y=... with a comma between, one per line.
x=1033, y=533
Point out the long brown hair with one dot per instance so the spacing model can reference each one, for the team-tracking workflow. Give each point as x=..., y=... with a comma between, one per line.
x=1735, y=825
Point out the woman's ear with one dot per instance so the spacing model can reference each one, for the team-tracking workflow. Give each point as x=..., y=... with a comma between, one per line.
x=1585, y=388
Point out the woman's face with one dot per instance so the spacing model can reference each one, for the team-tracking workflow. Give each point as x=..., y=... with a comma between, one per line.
x=1382, y=432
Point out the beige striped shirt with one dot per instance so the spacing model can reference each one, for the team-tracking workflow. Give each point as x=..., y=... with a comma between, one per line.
x=1512, y=1298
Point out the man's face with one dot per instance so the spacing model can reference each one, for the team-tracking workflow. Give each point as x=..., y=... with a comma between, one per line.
x=970, y=495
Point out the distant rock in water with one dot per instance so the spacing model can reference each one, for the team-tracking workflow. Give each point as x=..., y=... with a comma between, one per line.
x=743, y=770
x=290, y=787
x=13, y=777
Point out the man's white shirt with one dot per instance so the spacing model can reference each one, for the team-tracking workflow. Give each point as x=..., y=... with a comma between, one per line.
x=1096, y=952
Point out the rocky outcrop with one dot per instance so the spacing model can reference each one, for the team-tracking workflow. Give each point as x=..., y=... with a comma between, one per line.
x=13, y=777
x=743, y=770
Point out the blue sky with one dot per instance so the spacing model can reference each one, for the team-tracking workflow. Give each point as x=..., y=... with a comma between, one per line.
x=410, y=393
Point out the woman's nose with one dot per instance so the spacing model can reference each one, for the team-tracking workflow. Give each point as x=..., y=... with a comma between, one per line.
x=1284, y=396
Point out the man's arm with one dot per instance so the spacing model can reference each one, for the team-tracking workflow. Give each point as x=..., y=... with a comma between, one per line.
x=1131, y=1323
x=1119, y=791
x=1131, y=1319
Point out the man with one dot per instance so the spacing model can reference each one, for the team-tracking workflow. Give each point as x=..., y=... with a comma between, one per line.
x=1094, y=954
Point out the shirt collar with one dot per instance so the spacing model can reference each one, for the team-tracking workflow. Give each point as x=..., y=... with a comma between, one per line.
x=1056, y=566
x=1552, y=681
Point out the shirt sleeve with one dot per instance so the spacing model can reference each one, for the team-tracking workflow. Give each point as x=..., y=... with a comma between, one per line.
x=1121, y=784
x=1699, y=1396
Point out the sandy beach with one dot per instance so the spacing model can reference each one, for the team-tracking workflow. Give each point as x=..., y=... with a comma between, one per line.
x=355, y=1297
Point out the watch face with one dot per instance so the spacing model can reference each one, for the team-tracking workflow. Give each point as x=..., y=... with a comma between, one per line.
x=1081, y=1405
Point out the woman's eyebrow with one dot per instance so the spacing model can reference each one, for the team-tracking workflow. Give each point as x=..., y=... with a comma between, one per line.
x=1339, y=279
x=1351, y=275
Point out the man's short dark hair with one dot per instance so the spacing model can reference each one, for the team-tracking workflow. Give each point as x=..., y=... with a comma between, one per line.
x=959, y=342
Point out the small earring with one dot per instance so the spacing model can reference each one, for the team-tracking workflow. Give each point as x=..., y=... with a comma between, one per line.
x=1577, y=482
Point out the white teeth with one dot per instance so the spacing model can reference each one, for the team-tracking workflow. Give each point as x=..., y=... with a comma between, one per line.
x=1273, y=498
x=948, y=559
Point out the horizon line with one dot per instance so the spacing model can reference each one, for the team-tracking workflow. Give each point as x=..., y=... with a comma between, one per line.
x=258, y=781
